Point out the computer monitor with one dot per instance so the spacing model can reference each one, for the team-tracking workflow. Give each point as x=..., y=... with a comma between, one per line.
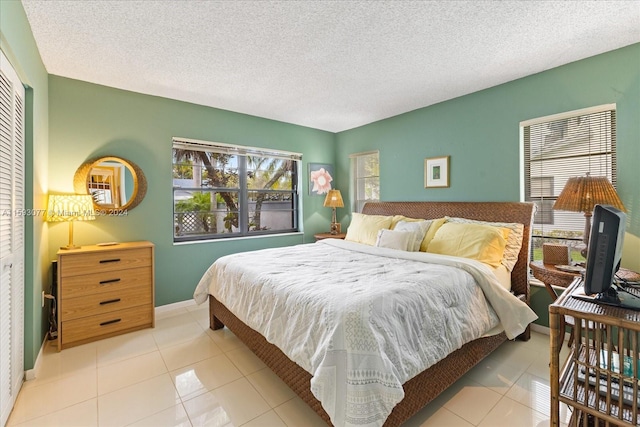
x=603, y=258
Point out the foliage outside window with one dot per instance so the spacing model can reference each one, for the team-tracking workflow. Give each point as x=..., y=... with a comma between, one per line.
x=365, y=172
x=557, y=148
x=222, y=190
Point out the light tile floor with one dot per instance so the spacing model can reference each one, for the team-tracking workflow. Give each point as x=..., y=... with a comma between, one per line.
x=181, y=373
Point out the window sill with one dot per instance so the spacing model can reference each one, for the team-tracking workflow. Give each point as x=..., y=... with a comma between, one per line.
x=230, y=239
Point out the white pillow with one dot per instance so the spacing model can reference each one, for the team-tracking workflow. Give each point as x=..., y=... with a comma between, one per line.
x=418, y=228
x=390, y=239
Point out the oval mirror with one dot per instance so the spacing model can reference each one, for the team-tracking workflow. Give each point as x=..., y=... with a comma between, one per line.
x=115, y=184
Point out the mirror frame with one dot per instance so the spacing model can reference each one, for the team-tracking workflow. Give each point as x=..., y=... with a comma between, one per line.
x=139, y=182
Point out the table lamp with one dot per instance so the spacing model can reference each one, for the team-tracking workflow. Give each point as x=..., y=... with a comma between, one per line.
x=334, y=200
x=70, y=208
x=581, y=194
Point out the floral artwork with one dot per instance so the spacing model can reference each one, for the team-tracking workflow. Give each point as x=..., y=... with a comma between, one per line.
x=320, y=177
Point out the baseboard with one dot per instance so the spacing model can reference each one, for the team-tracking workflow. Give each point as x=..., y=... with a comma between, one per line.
x=540, y=329
x=546, y=331
x=181, y=304
x=30, y=374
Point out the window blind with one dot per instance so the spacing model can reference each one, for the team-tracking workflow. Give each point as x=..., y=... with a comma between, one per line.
x=563, y=146
x=222, y=148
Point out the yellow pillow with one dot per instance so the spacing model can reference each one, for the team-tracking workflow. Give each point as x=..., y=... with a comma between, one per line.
x=480, y=242
x=435, y=226
x=514, y=241
x=397, y=218
x=364, y=228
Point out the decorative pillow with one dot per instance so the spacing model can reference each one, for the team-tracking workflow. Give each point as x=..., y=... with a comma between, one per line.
x=401, y=240
x=364, y=228
x=419, y=229
x=397, y=218
x=435, y=226
x=480, y=242
x=514, y=241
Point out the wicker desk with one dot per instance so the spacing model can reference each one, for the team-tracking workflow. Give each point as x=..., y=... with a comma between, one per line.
x=599, y=328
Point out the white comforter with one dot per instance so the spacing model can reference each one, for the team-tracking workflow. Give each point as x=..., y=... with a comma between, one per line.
x=362, y=320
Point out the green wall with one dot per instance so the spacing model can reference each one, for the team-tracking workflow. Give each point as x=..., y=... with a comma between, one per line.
x=69, y=121
x=480, y=132
x=88, y=120
x=18, y=44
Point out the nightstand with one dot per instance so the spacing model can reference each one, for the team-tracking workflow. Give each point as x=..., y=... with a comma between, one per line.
x=104, y=291
x=321, y=236
x=550, y=275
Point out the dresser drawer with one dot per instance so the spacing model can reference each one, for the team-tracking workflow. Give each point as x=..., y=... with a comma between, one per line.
x=105, y=302
x=90, y=328
x=102, y=261
x=107, y=281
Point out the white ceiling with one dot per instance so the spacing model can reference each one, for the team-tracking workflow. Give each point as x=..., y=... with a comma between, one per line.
x=331, y=65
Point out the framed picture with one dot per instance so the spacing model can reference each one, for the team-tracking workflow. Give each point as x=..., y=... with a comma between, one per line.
x=436, y=172
x=320, y=178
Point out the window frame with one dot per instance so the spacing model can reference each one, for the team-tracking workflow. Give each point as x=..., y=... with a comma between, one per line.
x=244, y=205
x=358, y=203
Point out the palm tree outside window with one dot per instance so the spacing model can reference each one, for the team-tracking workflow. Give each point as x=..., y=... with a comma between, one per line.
x=223, y=190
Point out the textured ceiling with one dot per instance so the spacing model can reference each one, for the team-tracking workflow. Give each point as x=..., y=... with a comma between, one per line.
x=331, y=65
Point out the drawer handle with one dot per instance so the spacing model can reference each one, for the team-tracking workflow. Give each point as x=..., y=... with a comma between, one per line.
x=106, y=282
x=109, y=322
x=111, y=301
x=104, y=261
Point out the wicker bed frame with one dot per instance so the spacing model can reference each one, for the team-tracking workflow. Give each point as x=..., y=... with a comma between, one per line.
x=423, y=388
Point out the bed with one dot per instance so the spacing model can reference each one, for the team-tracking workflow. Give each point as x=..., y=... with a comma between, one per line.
x=421, y=388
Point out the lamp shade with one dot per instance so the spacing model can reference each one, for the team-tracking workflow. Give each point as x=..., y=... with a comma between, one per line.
x=333, y=199
x=582, y=193
x=70, y=207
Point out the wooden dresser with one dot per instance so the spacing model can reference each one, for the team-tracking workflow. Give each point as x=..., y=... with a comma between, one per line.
x=104, y=291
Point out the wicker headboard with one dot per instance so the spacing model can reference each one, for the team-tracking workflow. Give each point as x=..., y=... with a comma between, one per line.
x=482, y=211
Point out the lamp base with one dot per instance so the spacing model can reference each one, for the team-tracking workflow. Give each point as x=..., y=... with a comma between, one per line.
x=70, y=247
x=335, y=228
x=586, y=235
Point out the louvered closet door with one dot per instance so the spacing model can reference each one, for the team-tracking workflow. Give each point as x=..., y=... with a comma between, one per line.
x=11, y=237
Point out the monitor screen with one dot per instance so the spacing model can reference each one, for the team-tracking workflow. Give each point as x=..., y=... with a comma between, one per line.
x=605, y=248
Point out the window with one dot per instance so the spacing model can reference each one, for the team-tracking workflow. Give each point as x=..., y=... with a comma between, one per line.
x=365, y=171
x=222, y=190
x=106, y=184
x=542, y=193
x=559, y=147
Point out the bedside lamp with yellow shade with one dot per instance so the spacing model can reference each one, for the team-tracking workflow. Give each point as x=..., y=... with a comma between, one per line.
x=334, y=200
x=582, y=193
x=70, y=208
